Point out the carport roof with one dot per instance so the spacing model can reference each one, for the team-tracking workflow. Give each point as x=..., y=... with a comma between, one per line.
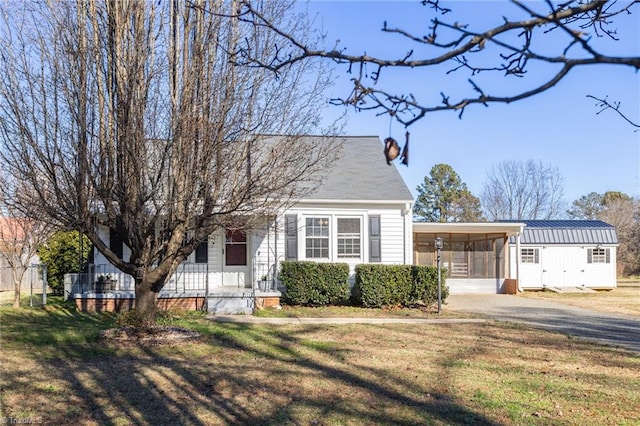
x=508, y=228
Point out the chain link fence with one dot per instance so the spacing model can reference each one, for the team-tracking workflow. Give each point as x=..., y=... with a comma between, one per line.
x=33, y=287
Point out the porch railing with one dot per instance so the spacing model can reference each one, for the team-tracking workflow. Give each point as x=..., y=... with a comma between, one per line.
x=189, y=277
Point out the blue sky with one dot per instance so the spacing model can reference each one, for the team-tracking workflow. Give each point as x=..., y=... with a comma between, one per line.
x=560, y=127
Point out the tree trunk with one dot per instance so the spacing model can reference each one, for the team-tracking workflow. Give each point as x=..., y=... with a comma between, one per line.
x=17, y=286
x=146, y=302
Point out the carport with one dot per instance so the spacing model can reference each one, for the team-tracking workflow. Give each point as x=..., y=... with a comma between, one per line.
x=474, y=254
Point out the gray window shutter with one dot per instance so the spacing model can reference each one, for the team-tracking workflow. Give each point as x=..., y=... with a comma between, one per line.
x=202, y=252
x=608, y=254
x=589, y=255
x=537, y=255
x=291, y=237
x=115, y=244
x=374, y=239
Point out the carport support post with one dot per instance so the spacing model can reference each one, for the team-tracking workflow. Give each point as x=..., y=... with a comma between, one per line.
x=438, y=258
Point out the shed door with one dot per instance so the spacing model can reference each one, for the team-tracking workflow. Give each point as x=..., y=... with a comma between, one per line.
x=553, y=267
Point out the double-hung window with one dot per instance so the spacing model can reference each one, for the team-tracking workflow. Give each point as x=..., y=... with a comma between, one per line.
x=598, y=255
x=317, y=237
x=529, y=255
x=349, y=237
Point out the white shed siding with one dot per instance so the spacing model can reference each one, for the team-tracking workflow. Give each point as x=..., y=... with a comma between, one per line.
x=602, y=275
x=565, y=266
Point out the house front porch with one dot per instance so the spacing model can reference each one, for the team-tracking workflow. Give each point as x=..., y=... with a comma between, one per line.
x=192, y=287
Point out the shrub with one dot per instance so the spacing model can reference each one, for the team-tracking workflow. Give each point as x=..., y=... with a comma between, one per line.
x=61, y=254
x=314, y=284
x=425, y=285
x=382, y=285
x=396, y=285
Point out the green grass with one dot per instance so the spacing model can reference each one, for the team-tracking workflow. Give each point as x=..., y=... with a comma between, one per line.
x=55, y=369
x=57, y=325
x=354, y=312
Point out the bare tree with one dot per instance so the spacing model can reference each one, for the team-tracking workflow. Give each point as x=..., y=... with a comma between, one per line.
x=20, y=238
x=554, y=36
x=624, y=214
x=134, y=116
x=522, y=190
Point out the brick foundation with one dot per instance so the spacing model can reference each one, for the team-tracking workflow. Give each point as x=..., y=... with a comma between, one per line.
x=267, y=302
x=126, y=304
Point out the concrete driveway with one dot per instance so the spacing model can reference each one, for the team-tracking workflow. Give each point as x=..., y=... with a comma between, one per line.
x=615, y=330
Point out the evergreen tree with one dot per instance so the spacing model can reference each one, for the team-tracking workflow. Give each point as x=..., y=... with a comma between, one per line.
x=64, y=253
x=443, y=197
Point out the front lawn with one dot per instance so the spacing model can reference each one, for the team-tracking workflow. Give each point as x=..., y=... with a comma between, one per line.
x=623, y=300
x=55, y=370
x=355, y=311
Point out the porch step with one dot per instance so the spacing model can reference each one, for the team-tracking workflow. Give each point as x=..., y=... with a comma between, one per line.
x=230, y=301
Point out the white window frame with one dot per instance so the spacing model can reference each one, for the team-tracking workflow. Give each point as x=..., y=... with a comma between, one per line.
x=349, y=236
x=328, y=225
x=530, y=255
x=599, y=255
x=333, y=237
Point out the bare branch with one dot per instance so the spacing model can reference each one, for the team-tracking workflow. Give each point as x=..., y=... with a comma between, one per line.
x=604, y=105
x=519, y=43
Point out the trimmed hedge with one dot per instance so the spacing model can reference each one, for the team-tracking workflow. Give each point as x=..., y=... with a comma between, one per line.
x=396, y=285
x=381, y=285
x=313, y=283
x=425, y=284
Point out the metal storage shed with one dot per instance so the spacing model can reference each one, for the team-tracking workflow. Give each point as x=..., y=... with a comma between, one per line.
x=565, y=253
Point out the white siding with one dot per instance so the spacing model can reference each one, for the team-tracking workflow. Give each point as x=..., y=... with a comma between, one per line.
x=393, y=234
x=601, y=275
x=475, y=285
x=565, y=266
x=267, y=246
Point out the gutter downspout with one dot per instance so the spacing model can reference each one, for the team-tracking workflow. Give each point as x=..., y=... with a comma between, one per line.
x=406, y=242
x=518, y=261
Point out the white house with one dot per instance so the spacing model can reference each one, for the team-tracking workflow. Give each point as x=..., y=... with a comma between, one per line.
x=362, y=213
x=565, y=253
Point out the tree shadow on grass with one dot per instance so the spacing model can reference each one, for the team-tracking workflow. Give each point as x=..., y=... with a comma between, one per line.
x=237, y=374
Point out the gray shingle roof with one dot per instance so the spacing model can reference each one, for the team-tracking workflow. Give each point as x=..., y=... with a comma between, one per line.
x=567, y=232
x=362, y=174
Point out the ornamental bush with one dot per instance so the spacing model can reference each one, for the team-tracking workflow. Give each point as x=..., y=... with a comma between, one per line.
x=61, y=254
x=425, y=285
x=314, y=284
x=381, y=285
x=396, y=285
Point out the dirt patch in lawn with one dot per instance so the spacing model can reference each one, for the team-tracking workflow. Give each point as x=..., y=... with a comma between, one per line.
x=154, y=335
